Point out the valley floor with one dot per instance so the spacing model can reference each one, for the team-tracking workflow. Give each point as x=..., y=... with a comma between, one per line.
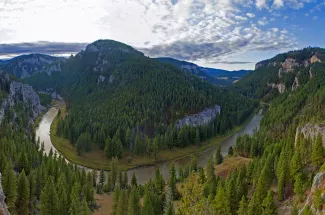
x=97, y=159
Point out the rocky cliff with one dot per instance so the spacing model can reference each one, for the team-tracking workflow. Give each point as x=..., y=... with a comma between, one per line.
x=318, y=183
x=3, y=206
x=202, y=118
x=27, y=65
x=293, y=63
x=311, y=131
x=19, y=92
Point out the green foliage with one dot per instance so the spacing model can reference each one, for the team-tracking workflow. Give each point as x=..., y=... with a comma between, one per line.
x=23, y=194
x=318, y=200
x=9, y=183
x=318, y=152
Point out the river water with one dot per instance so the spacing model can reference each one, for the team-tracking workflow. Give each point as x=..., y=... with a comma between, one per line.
x=143, y=174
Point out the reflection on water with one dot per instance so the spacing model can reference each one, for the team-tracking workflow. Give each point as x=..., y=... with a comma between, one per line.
x=144, y=173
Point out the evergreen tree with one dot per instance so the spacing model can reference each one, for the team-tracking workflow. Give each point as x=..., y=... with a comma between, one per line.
x=218, y=157
x=221, y=204
x=49, y=199
x=269, y=207
x=9, y=183
x=122, y=206
x=197, y=137
x=193, y=164
x=172, y=181
x=318, y=200
x=211, y=176
x=243, y=207
x=133, y=203
x=230, y=151
x=22, y=201
x=134, y=182
x=298, y=186
x=318, y=151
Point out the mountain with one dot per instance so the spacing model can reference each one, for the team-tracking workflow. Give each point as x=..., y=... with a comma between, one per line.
x=25, y=66
x=283, y=73
x=214, y=76
x=111, y=87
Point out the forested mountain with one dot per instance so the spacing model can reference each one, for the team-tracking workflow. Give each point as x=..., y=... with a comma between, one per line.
x=32, y=182
x=283, y=73
x=214, y=76
x=25, y=66
x=114, y=91
x=286, y=152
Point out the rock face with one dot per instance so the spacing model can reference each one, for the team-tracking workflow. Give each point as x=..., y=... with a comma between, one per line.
x=3, y=206
x=281, y=87
x=27, y=65
x=19, y=92
x=312, y=131
x=295, y=84
x=202, y=118
x=319, y=183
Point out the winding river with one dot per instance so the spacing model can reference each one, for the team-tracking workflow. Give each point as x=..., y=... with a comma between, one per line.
x=143, y=174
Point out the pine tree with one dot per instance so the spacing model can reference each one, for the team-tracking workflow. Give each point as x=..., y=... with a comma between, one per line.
x=75, y=206
x=49, y=199
x=318, y=200
x=193, y=164
x=84, y=208
x=269, y=207
x=116, y=198
x=155, y=147
x=122, y=205
x=218, y=157
x=295, y=164
x=221, y=204
x=230, y=151
x=9, y=183
x=134, y=182
x=133, y=203
x=318, y=153
x=298, y=185
x=172, y=181
x=211, y=176
x=243, y=207
x=22, y=194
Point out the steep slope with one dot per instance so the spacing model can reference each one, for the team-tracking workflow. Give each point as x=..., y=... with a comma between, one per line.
x=25, y=66
x=283, y=73
x=214, y=76
x=111, y=88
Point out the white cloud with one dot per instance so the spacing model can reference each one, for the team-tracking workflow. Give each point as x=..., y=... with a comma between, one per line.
x=210, y=30
x=250, y=15
x=278, y=3
x=261, y=4
x=315, y=17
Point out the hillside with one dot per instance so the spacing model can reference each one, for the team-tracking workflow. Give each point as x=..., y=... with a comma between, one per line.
x=214, y=76
x=113, y=89
x=283, y=73
x=286, y=173
x=25, y=66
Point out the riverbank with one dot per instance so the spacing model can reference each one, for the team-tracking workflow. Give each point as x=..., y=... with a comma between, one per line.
x=97, y=159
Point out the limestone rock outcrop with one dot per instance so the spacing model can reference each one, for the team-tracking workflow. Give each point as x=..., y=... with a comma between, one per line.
x=202, y=118
x=311, y=131
x=19, y=92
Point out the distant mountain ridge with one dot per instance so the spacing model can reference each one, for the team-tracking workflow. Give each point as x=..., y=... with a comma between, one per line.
x=215, y=76
x=25, y=66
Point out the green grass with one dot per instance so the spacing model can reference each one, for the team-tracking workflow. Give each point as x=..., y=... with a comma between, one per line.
x=96, y=159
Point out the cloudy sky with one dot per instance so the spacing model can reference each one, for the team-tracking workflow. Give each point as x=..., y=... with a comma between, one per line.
x=229, y=34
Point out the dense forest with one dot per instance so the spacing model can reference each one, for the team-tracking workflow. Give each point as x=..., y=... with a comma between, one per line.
x=120, y=100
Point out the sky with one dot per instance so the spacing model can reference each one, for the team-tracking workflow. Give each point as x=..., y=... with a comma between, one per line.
x=226, y=34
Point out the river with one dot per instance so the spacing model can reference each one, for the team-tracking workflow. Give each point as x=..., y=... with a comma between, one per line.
x=143, y=174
